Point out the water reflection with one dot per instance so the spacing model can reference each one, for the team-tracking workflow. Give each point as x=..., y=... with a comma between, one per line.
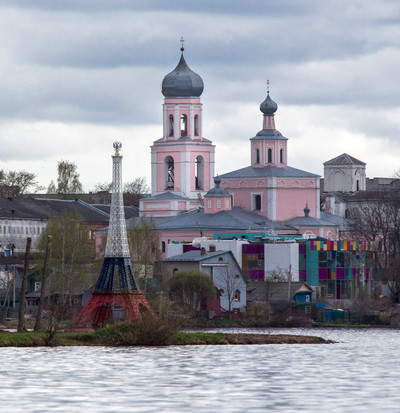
x=357, y=374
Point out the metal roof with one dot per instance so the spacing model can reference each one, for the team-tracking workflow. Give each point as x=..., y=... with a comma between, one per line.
x=44, y=209
x=268, y=171
x=237, y=219
x=164, y=196
x=344, y=159
x=182, y=82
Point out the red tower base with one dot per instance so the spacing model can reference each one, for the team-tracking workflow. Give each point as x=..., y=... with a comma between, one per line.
x=97, y=310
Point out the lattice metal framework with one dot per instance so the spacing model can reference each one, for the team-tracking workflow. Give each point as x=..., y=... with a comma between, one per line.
x=117, y=284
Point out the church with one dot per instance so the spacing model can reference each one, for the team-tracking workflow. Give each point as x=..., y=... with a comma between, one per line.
x=187, y=199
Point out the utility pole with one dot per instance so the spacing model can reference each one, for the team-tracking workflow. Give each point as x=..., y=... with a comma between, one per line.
x=22, y=294
x=38, y=320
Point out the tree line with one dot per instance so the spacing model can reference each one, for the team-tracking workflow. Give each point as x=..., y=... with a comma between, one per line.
x=18, y=183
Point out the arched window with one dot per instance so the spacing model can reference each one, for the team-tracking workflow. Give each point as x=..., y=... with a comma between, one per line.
x=237, y=295
x=171, y=125
x=199, y=172
x=169, y=172
x=269, y=155
x=257, y=156
x=184, y=125
x=196, y=125
x=209, y=203
x=219, y=204
x=163, y=246
x=257, y=202
x=281, y=155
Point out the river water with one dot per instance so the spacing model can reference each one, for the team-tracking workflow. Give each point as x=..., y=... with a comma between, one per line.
x=359, y=373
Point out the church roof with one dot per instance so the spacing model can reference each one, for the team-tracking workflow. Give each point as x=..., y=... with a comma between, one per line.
x=217, y=191
x=164, y=196
x=237, y=219
x=344, y=159
x=307, y=221
x=269, y=134
x=182, y=82
x=268, y=171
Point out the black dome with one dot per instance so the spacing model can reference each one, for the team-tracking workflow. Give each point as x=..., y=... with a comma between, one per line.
x=268, y=107
x=182, y=82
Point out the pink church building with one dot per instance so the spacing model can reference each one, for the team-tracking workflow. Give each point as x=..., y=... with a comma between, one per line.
x=187, y=201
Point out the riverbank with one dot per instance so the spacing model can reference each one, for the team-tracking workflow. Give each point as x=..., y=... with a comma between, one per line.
x=109, y=337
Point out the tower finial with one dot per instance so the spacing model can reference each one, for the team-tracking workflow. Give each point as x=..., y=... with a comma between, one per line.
x=182, y=40
x=268, y=86
x=117, y=146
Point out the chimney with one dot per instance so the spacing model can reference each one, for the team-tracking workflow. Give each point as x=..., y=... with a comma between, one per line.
x=212, y=248
x=202, y=251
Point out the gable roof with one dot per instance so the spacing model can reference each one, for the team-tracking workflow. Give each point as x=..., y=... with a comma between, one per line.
x=44, y=209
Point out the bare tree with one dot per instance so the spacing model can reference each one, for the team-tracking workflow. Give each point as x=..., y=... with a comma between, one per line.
x=17, y=183
x=230, y=281
x=144, y=243
x=134, y=190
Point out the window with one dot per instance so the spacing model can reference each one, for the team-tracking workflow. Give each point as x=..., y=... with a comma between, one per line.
x=184, y=125
x=281, y=155
x=196, y=125
x=169, y=172
x=227, y=204
x=219, y=203
x=269, y=155
x=163, y=246
x=199, y=172
x=171, y=125
x=209, y=203
x=257, y=156
x=257, y=202
x=358, y=185
x=220, y=259
x=237, y=295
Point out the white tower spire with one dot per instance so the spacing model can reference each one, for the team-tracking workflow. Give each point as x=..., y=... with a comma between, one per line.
x=117, y=240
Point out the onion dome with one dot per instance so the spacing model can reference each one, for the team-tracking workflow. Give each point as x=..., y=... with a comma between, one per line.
x=217, y=190
x=306, y=211
x=182, y=82
x=268, y=107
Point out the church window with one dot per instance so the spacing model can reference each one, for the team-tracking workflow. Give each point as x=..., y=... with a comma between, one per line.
x=281, y=155
x=237, y=295
x=269, y=155
x=171, y=125
x=196, y=125
x=209, y=203
x=184, y=125
x=163, y=245
x=169, y=172
x=358, y=185
x=227, y=203
x=219, y=204
x=199, y=172
x=257, y=202
x=257, y=156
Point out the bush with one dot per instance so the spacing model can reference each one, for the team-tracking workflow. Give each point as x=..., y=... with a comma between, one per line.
x=148, y=332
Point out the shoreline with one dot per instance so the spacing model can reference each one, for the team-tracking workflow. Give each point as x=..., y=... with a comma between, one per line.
x=42, y=339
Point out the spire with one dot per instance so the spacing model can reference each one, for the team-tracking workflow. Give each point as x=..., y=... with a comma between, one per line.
x=117, y=241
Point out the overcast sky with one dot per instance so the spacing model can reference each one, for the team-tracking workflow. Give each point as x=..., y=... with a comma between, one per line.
x=76, y=75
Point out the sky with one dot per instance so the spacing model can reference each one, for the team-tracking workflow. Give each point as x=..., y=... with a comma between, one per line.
x=77, y=75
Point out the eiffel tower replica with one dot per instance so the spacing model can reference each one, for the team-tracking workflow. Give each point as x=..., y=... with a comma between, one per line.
x=117, y=284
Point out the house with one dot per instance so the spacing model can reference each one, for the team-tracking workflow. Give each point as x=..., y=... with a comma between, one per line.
x=223, y=269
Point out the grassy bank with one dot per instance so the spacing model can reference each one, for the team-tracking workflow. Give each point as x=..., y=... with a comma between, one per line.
x=130, y=335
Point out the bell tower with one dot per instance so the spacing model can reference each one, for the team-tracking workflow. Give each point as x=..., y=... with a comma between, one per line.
x=182, y=160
